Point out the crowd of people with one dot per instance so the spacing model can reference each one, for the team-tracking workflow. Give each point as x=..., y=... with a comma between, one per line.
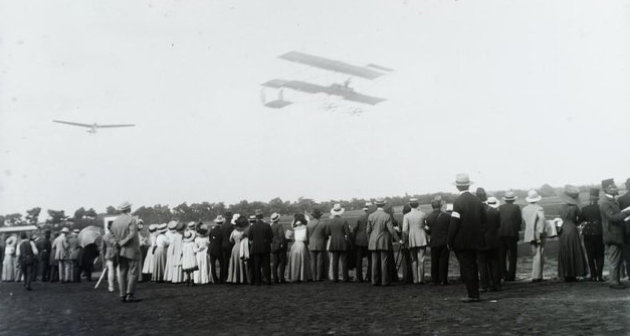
x=240, y=249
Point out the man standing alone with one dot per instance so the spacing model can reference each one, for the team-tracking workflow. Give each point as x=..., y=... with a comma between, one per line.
x=465, y=235
x=511, y=220
x=125, y=232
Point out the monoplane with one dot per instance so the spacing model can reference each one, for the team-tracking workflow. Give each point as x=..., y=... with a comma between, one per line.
x=93, y=127
x=343, y=90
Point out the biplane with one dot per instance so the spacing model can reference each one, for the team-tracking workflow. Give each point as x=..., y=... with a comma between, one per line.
x=344, y=91
x=92, y=127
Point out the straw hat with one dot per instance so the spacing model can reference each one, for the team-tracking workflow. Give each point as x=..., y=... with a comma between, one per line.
x=462, y=180
x=220, y=219
x=532, y=196
x=509, y=196
x=275, y=217
x=493, y=202
x=152, y=227
x=172, y=225
x=189, y=235
x=124, y=206
x=337, y=210
x=191, y=225
x=380, y=202
x=161, y=228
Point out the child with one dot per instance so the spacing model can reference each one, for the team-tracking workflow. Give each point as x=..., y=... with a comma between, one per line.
x=189, y=258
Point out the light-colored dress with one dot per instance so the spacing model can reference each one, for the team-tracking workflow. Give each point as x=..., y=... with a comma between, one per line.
x=202, y=275
x=189, y=258
x=299, y=258
x=159, y=257
x=237, y=270
x=147, y=267
x=168, y=268
x=177, y=273
x=9, y=262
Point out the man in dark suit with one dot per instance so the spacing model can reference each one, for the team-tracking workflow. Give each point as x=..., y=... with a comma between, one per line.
x=226, y=245
x=437, y=223
x=216, y=248
x=592, y=234
x=612, y=225
x=465, y=235
x=278, y=249
x=488, y=256
x=260, y=236
x=624, y=202
x=44, y=245
x=511, y=220
x=317, y=245
x=361, y=246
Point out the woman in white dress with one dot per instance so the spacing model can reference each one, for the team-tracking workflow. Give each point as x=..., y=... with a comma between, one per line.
x=189, y=259
x=237, y=269
x=168, y=269
x=159, y=254
x=147, y=267
x=177, y=241
x=299, y=258
x=8, y=264
x=202, y=242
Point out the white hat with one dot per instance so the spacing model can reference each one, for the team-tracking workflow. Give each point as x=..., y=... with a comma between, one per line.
x=532, y=196
x=191, y=225
x=413, y=200
x=172, y=225
x=449, y=206
x=234, y=218
x=219, y=219
x=462, y=180
x=124, y=206
x=275, y=217
x=493, y=202
x=337, y=210
x=162, y=227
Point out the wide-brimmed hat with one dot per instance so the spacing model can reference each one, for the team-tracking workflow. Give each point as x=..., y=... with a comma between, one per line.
x=462, y=180
x=191, y=225
x=219, y=219
x=203, y=229
x=380, y=202
x=234, y=218
x=509, y=196
x=152, y=227
x=124, y=206
x=337, y=210
x=76, y=231
x=172, y=225
x=162, y=227
x=252, y=218
x=189, y=235
x=593, y=194
x=493, y=202
x=275, y=217
x=571, y=194
x=532, y=196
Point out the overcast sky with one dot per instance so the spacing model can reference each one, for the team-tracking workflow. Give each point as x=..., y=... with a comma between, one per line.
x=515, y=93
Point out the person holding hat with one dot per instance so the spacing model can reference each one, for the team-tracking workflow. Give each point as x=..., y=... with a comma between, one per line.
x=299, y=263
x=511, y=223
x=278, y=249
x=570, y=254
x=437, y=223
x=534, y=218
x=160, y=253
x=338, y=231
x=613, y=217
x=361, y=246
x=380, y=230
x=488, y=255
x=592, y=236
x=465, y=235
x=216, y=249
x=317, y=245
x=624, y=202
x=60, y=245
x=125, y=231
x=416, y=239
x=260, y=236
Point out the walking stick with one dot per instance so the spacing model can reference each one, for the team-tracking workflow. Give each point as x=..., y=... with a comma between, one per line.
x=101, y=278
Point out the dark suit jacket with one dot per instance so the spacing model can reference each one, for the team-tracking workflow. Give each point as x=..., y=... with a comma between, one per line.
x=511, y=220
x=279, y=240
x=360, y=233
x=465, y=231
x=260, y=237
x=491, y=229
x=438, y=223
x=227, y=229
x=338, y=230
x=316, y=235
x=624, y=202
x=612, y=221
x=216, y=241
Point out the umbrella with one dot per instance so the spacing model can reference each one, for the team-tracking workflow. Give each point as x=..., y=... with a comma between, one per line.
x=89, y=235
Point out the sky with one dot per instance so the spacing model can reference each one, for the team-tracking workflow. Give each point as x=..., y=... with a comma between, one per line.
x=514, y=93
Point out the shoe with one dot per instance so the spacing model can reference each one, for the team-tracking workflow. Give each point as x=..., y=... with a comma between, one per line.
x=470, y=300
x=123, y=299
x=29, y=288
x=131, y=298
x=110, y=289
x=617, y=286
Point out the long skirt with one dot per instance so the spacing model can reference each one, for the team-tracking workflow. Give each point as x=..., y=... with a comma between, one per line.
x=177, y=273
x=189, y=258
x=202, y=274
x=168, y=269
x=147, y=267
x=299, y=262
x=159, y=264
x=237, y=269
x=570, y=255
x=8, y=268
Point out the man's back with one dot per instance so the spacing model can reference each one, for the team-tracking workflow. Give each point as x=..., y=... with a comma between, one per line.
x=465, y=230
x=438, y=223
x=316, y=234
x=260, y=236
x=361, y=238
x=380, y=230
x=124, y=229
x=511, y=220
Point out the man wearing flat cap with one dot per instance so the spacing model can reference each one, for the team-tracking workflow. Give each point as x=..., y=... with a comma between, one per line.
x=612, y=225
x=465, y=235
x=125, y=231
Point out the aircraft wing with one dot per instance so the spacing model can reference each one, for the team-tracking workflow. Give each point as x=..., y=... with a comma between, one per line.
x=360, y=98
x=295, y=85
x=337, y=90
x=332, y=65
x=72, y=123
x=112, y=126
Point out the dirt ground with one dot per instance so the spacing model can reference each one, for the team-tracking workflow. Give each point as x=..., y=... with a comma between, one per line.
x=521, y=308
